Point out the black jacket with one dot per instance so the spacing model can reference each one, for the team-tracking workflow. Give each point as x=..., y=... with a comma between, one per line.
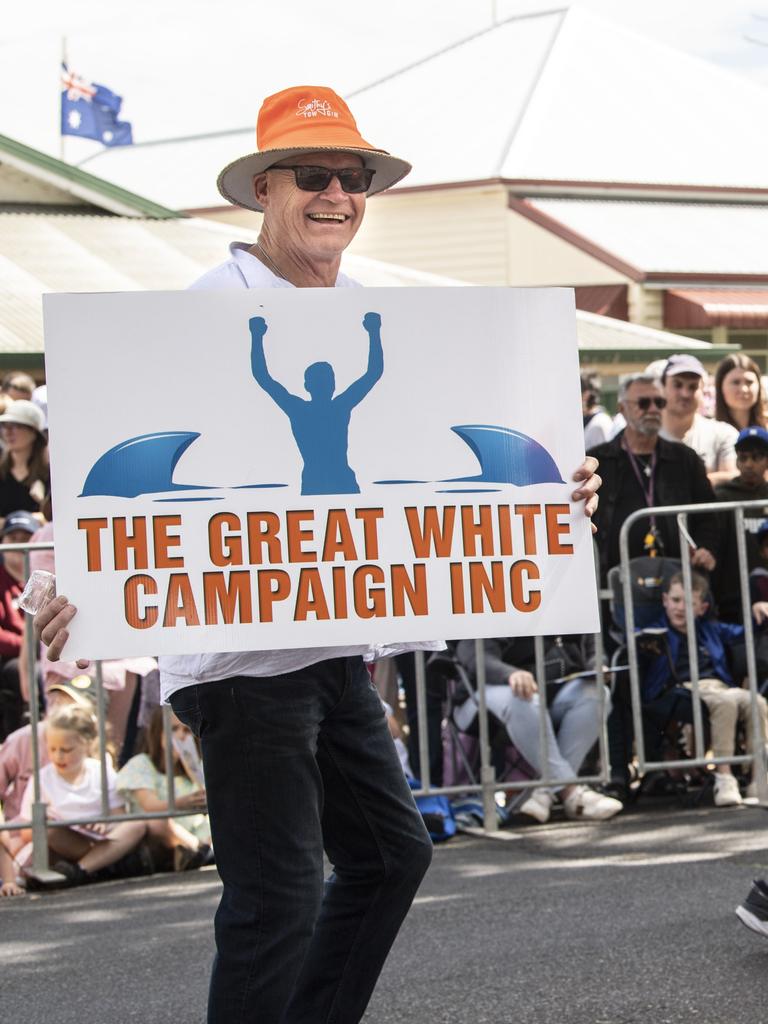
x=726, y=582
x=680, y=479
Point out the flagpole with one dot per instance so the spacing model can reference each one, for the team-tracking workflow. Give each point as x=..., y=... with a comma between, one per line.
x=65, y=63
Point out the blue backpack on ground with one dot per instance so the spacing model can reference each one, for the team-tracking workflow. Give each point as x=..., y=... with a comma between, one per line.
x=436, y=811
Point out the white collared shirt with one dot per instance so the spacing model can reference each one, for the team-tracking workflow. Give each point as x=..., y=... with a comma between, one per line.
x=244, y=270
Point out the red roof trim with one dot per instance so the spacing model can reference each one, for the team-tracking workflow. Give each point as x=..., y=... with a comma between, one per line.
x=635, y=186
x=701, y=307
x=660, y=277
x=566, y=184
x=604, y=299
x=578, y=187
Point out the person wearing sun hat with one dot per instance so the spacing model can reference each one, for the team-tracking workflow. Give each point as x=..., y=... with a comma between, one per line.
x=310, y=175
x=296, y=749
x=24, y=473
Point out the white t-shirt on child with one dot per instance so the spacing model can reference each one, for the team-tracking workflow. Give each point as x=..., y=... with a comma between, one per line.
x=73, y=800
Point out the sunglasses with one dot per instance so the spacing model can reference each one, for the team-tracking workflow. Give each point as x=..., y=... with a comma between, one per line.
x=644, y=404
x=317, y=179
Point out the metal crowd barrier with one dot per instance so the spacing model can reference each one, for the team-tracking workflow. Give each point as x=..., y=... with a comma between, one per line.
x=758, y=756
x=488, y=785
x=39, y=822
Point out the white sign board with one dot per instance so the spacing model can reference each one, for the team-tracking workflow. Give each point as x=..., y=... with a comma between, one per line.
x=300, y=468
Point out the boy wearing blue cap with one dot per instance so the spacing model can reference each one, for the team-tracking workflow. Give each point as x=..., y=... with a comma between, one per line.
x=752, y=463
x=748, y=485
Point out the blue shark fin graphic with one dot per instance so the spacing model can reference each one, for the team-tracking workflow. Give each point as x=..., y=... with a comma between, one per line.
x=507, y=456
x=140, y=465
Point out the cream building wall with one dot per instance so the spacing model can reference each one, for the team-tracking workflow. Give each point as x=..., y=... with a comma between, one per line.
x=456, y=232
x=538, y=257
x=646, y=305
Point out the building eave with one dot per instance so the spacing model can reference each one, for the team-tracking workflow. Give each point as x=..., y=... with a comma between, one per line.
x=82, y=184
x=618, y=355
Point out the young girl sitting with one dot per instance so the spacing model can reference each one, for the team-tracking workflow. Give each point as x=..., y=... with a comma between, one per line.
x=71, y=787
x=143, y=783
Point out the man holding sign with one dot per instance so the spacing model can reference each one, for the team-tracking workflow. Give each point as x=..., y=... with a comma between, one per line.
x=296, y=750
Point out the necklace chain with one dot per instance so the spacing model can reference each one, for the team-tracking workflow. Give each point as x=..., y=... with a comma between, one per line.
x=269, y=261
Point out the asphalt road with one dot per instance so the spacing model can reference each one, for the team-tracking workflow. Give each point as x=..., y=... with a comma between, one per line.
x=630, y=922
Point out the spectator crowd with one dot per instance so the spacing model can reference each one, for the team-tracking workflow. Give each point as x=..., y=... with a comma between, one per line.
x=679, y=438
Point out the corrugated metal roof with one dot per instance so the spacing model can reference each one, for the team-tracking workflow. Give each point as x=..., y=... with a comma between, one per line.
x=670, y=237
x=603, y=334
x=570, y=97
x=701, y=307
x=83, y=253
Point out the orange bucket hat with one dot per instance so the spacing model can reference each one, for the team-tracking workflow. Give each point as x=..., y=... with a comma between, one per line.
x=305, y=119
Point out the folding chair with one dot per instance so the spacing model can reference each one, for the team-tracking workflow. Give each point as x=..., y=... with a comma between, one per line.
x=461, y=747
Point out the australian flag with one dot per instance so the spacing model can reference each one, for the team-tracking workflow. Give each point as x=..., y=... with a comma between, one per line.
x=90, y=111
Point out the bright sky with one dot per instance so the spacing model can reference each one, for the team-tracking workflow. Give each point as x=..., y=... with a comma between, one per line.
x=189, y=66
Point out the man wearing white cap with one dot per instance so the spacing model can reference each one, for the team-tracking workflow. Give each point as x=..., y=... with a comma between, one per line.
x=682, y=380
x=296, y=749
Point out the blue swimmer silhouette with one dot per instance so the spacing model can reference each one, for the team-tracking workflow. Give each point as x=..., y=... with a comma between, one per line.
x=320, y=425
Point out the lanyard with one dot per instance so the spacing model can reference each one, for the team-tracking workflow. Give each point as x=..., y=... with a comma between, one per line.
x=648, y=485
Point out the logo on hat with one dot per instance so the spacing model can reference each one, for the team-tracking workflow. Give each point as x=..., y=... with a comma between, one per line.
x=759, y=434
x=311, y=108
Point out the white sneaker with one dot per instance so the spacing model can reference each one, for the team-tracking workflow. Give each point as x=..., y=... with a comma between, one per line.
x=727, y=793
x=587, y=804
x=538, y=805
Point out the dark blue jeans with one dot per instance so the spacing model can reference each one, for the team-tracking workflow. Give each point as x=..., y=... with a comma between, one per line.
x=294, y=764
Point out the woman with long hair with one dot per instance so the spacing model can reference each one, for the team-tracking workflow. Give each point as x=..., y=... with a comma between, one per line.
x=24, y=472
x=739, y=398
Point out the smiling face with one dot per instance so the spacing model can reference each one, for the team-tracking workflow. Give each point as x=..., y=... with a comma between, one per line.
x=310, y=225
